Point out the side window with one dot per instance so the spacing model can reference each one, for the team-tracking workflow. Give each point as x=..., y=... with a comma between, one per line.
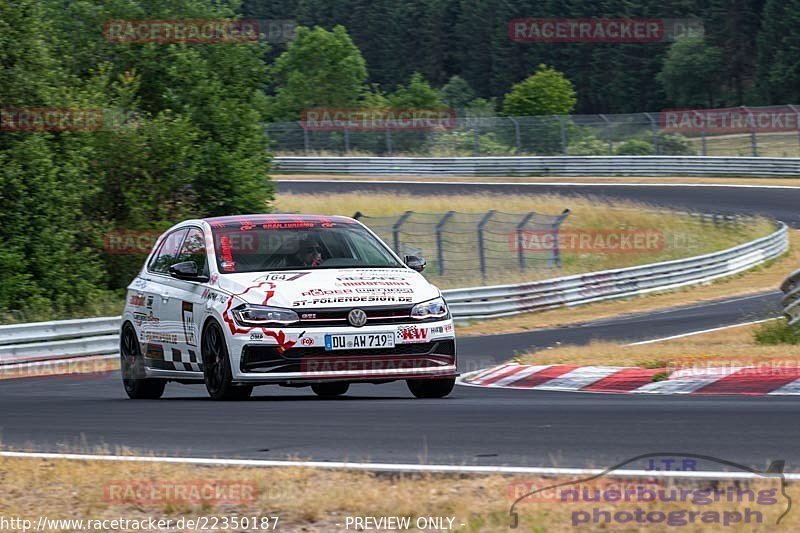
x=168, y=253
x=194, y=249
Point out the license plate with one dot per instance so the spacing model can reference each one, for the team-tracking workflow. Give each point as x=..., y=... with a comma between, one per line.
x=359, y=341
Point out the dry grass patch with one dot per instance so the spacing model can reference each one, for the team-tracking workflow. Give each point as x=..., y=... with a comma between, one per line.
x=676, y=235
x=303, y=499
x=733, y=347
x=767, y=277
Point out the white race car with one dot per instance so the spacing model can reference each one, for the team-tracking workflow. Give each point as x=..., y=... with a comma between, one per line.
x=294, y=300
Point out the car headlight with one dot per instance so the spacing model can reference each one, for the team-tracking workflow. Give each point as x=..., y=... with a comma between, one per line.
x=435, y=308
x=260, y=315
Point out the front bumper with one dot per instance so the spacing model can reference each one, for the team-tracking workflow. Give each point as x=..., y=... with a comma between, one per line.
x=289, y=356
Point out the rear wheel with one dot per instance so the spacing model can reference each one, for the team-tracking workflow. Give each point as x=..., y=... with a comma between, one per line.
x=131, y=364
x=431, y=388
x=217, y=367
x=328, y=390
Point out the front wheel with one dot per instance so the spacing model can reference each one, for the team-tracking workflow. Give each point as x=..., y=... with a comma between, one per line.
x=431, y=388
x=131, y=365
x=329, y=390
x=217, y=367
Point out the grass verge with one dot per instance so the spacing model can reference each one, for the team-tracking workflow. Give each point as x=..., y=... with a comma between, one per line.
x=734, y=347
x=767, y=277
x=323, y=500
x=593, y=224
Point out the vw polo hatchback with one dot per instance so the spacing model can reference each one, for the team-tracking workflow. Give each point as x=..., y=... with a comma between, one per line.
x=293, y=300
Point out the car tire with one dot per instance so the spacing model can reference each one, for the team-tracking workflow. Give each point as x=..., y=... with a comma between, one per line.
x=431, y=388
x=331, y=389
x=131, y=365
x=217, y=367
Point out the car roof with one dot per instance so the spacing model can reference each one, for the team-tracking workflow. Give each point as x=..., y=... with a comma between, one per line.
x=276, y=217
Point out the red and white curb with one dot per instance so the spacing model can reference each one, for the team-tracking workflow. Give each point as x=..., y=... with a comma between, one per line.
x=753, y=380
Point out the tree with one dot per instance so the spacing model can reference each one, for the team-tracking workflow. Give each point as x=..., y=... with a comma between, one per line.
x=691, y=71
x=547, y=92
x=418, y=94
x=778, y=43
x=457, y=93
x=320, y=68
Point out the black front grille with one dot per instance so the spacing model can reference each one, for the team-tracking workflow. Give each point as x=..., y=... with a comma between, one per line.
x=376, y=316
x=269, y=359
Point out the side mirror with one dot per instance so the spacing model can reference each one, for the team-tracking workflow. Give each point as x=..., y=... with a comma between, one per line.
x=415, y=263
x=187, y=271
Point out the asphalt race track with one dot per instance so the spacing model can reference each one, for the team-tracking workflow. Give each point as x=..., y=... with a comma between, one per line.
x=778, y=202
x=472, y=426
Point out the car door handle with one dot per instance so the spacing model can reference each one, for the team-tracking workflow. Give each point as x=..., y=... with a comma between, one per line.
x=164, y=297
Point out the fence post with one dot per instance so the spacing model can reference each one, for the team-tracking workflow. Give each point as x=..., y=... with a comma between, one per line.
x=517, y=135
x=654, y=128
x=305, y=141
x=481, y=251
x=476, y=142
x=346, y=141
x=520, y=248
x=556, y=246
x=389, y=141
x=793, y=108
x=608, y=129
x=563, y=127
x=753, y=140
x=396, y=230
x=439, y=251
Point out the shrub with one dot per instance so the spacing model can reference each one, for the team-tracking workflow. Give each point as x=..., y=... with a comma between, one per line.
x=635, y=147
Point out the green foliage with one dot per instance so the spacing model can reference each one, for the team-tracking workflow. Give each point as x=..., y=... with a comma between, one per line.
x=635, y=147
x=547, y=92
x=590, y=146
x=778, y=42
x=777, y=332
x=319, y=68
x=418, y=94
x=691, y=71
x=457, y=93
x=675, y=144
x=182, y=136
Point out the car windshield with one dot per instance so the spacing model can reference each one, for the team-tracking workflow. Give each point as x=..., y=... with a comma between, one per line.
x=254, y=246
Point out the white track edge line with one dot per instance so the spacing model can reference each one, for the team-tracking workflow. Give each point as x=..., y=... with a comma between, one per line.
x=700, y=332
x=391, y=467
x=541, y=183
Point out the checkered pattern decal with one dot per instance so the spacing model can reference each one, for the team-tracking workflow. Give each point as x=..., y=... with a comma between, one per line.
x=174, y=360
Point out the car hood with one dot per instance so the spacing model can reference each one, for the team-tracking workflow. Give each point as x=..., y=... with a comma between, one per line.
x=329, y=287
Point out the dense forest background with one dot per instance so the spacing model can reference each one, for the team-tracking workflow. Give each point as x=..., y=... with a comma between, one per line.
x=748, y=56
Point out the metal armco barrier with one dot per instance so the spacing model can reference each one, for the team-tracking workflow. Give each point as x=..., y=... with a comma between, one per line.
x=75, y=338
x=647, y=166
x=504, y=300
x=791, y=302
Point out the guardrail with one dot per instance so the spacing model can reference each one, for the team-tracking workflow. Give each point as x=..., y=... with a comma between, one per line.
x=504, y=300
x=75, y=338
x=648, y=166
x=791, y=300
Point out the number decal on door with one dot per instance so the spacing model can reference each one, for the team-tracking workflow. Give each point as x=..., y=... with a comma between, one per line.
x=187, y=314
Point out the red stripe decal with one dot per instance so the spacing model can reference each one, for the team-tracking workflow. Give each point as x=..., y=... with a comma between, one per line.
x=752, y=380
x=625, y=380
x=543, y=376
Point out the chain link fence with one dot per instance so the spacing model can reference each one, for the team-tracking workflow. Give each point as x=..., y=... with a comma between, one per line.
x=612, y=134
x=459, y=245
